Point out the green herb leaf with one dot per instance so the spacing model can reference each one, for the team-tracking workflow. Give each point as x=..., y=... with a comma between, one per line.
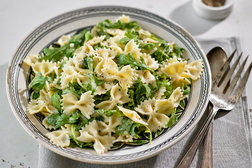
x=173, y=119
x=102, y=97
x=75, y=89
x=124, y=40
x=109, y=113
x=125, y=126
x=138, y=142
x=56, y=54
x=55, y=99
x=186, y=89
x=38, y=83
x=139, y=92
x=88, y=63
x=130, y=60
x=160, y=56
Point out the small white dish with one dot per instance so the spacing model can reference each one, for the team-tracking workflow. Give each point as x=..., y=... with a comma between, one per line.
x=210, y=12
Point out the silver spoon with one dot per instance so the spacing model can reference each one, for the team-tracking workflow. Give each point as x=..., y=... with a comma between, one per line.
x=216, y=58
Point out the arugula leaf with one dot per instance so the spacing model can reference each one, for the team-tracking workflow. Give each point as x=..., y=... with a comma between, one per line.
x=131, y=127
x=35, y=95
x=148, y=46
x=130, y=60
x=124, y=40
x=74, y=117
x=118, y=25
x=88, y=63
x=56, y=54
x=139, y=92
x=82, y=122
x=186, y=89
x=109, y=113
x=138, y=142
x=55, y=99
x=102, y=97
x=173, y=119
x=132, y=34
x=75, y=89
x=37, y=84
x=135, y=130
x=125, y=126
x=168, y=86
x=57, y=120
x=160, y=56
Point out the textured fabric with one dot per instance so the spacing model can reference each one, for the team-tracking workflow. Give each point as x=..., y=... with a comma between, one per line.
x=231, y=136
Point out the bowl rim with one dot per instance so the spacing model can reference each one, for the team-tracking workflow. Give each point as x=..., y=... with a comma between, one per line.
x=123, y=8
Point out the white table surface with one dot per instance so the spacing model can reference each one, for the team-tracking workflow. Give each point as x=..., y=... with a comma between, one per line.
x=19, y=17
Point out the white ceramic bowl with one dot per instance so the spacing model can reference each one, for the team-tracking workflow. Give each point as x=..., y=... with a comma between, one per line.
x=75, y=20
x=214, y=13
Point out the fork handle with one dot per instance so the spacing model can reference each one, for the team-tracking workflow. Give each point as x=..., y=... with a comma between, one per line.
x=207, y=160
x=189, y=155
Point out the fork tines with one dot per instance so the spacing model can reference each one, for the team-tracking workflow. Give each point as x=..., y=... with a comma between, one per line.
x=223, y=78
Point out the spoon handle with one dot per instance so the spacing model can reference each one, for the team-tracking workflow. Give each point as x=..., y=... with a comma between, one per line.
x=189, y=155
x=207, y=160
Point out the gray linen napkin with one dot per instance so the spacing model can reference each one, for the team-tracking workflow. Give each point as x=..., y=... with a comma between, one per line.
x=231, y=137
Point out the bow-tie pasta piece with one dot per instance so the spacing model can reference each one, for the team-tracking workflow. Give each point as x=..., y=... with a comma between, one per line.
x=72, y=72
x=118, y=50
x=110, y=69
x=193, y=70
x=146, y=76
x=155, y=120
x=106, y=53
x=61, y=137
x=166, y=106
x=125, y=77
x=149, y=61
x=45, y=68
x=103, y=88
x=124, y=19
x=83, y=51
x=95, y=40
x=116, y=32
x=85, y=104
x=133, y=48
x=90, y=133
x=132, y=115
x=174, y=69
x=40, y=106
x=117, y=96
x=108, y=126
x=125, y=137
x=31, y=60
x=63, y=40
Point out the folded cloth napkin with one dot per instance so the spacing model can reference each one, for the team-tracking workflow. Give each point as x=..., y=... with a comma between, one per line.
x=231, y=136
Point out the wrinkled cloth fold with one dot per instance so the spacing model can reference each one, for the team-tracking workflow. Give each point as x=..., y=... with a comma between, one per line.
x=231, y=135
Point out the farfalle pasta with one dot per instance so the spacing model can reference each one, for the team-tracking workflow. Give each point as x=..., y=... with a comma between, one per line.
x=110, y=86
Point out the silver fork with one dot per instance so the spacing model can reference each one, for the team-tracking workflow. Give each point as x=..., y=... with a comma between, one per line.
x=223, y=96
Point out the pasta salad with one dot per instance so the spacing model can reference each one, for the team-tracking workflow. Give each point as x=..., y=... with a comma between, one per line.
x=113, y=85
